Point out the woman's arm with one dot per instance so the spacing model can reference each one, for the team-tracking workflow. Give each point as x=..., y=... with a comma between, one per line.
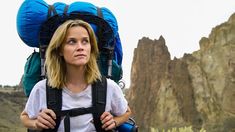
x=28, y=123
x=110, y=122
x=123, y=118
x=45, y=120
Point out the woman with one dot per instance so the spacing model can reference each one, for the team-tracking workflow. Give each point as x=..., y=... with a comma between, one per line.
x=71, y=65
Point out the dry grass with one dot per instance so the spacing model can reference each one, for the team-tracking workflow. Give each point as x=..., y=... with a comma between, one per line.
x=11, y=105
x=181, y=129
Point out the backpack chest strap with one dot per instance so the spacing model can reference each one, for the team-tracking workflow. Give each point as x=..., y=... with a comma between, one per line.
x=72, y=113
x=75, y=112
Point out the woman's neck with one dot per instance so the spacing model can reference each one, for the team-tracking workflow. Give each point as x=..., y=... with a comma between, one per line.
x=76, y=79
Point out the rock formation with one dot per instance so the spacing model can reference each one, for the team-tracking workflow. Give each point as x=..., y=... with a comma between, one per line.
x=196, y=90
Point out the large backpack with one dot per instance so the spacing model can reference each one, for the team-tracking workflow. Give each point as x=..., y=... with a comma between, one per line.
x=37, y=21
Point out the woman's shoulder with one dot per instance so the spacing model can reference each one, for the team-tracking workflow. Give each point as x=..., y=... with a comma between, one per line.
x=113, y=87
x=37, y=99
x=111, y=83
x=41, y=82
x=39, y=86
x=115, y=98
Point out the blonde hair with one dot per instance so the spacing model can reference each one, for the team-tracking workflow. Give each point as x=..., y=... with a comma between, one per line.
x=55, y=64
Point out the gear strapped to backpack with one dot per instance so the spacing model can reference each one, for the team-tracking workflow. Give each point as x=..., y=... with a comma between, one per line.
x=36, y=23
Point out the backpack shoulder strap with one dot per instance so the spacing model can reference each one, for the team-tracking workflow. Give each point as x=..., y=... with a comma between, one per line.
x=99, y=92
x=54, y=102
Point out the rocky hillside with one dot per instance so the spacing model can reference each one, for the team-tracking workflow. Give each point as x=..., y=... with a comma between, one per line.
x=196, y=90
x=12, y=103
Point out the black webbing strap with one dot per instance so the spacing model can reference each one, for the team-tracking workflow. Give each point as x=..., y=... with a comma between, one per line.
x=99, y=92
x=54, y=102
x=72, y=113
x=51, y=9
x=43, y=46
x=76, y=111
x=99, y=30
x=99, y=12
x=66, y=10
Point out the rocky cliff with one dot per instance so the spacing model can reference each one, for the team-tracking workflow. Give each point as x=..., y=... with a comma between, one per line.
x=196, y=90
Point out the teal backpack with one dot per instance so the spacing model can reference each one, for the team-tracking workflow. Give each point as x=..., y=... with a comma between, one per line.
x=32, y=72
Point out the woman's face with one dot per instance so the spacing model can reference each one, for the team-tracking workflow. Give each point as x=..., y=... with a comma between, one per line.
x=77, y=47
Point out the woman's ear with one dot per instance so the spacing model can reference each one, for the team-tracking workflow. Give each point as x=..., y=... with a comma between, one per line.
x=61, y=54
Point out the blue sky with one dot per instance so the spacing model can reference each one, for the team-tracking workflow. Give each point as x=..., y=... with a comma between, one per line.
x=181, y=22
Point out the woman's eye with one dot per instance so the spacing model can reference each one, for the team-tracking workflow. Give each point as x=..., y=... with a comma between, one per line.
x=85, y=41
x=71, y=41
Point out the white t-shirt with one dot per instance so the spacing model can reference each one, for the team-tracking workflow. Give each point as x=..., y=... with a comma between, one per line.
x=115, y=103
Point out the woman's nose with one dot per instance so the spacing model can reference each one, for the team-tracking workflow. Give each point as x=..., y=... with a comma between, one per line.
x=79, y=46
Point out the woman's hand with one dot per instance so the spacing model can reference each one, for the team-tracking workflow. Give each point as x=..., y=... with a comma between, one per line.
x=107, y=120
x=45, y=119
